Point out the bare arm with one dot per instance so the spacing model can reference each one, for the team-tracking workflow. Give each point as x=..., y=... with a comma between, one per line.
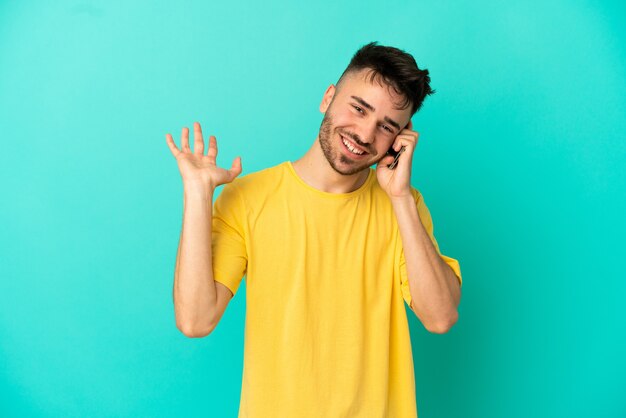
x=434, y=287
x=199, y=301
x=435, y=290
x=195, y=295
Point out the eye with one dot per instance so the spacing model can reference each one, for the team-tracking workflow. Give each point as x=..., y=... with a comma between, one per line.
x=387, y=128
x=357, y=108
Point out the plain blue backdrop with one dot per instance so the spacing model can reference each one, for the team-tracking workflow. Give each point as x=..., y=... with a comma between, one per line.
x=520, y=157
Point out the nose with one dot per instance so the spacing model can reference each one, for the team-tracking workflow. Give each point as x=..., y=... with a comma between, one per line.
x=366, y=133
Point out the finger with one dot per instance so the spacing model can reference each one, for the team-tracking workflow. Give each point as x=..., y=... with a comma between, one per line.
x=235, y=168
x=407, y=154
x=172, y=145
x=198, y=142
x=212, y=147
x=184, y=139
x=404, y=140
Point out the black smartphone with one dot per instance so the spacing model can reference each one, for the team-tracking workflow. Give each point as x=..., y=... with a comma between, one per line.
x=395, y=154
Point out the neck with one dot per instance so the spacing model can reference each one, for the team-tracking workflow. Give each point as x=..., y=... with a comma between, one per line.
x=315, y=170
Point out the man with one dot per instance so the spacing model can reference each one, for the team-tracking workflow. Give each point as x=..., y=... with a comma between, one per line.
x=331, y=250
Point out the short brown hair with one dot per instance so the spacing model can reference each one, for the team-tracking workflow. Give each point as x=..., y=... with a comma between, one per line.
x=396, y=69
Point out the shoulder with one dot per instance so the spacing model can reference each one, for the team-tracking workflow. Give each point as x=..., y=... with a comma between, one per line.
x=260, y=180
x=255, y=177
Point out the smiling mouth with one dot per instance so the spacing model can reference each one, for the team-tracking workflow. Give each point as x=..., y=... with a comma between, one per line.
x=351, y=147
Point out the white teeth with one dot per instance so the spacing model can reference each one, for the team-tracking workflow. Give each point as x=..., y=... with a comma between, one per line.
x=350, y=147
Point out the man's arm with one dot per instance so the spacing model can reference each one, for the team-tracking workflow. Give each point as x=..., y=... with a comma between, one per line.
x=435, y=289
x=199, y=301
x=195, y=294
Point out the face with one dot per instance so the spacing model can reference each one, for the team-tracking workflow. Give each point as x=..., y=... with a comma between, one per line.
x=366, y=116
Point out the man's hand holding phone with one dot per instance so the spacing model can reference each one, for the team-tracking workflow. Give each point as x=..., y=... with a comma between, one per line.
x=197, y=169
x=394, y=170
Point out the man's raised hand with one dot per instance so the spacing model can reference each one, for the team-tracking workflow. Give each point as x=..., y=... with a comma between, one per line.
x=198, y=169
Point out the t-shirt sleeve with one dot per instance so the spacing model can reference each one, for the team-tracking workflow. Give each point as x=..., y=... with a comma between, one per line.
x=427, y=221
x=230, y=258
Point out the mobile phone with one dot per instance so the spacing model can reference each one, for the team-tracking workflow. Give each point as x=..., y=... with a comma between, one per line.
x=395, y=154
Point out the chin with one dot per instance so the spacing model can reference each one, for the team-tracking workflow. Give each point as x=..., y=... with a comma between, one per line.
x=347, y=167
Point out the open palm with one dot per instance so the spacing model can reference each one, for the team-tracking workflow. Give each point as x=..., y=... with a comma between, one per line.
x=197, y=168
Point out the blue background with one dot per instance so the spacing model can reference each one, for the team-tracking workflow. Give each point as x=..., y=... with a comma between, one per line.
x=520, y=159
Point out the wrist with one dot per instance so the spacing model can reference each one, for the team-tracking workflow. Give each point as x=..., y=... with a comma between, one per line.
x=198, y=189
x=402, y=199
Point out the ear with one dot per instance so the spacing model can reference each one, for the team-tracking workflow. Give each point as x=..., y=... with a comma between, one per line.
x=328, y=97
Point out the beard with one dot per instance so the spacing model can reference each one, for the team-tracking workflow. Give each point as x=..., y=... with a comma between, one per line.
x=337, y=160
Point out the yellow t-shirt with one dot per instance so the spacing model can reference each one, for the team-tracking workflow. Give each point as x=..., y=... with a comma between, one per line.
x=326, y=331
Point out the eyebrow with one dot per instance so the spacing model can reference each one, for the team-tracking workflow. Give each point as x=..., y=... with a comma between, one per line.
x=370, y=107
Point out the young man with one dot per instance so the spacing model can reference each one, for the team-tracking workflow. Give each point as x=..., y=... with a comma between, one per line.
x=331, y=250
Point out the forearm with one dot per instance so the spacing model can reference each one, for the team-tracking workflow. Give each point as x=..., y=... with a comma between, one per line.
x=434, y=287
x=194, y=288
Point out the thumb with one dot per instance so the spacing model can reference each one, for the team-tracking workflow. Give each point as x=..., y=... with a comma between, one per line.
x=235, y=168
